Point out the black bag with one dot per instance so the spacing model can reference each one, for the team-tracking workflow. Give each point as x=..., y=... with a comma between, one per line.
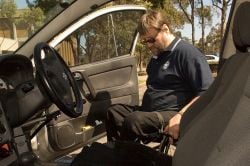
x=120, y=153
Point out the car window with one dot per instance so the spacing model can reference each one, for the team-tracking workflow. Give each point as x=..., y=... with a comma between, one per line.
x=108, y=36
x=21, y=19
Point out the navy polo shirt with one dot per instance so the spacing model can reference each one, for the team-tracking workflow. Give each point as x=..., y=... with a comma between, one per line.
x=175, y=77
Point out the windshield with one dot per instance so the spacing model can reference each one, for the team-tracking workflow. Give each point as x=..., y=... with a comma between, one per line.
x=20, y=19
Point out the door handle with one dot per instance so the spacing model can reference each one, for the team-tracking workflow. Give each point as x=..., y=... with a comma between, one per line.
x=81, y=77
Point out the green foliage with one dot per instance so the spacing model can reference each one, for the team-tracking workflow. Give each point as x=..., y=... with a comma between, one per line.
x=45, y=5
x=106, y=37
x=145, y=3
x=8, y=9
x=184, y=3
x=158, y=3
x=213, y=41
x=175, y=16
x=222, y=6
x=33, y=17
x=206, y=13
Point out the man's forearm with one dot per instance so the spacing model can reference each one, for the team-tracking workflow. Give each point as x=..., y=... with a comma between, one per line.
x=183, y=110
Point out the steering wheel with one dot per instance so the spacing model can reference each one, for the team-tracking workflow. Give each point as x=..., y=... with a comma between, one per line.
x=57, y=80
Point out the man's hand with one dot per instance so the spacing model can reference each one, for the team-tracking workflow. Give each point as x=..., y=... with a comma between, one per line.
x=173, y=126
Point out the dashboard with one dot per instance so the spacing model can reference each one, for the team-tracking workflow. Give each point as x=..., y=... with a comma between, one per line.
x=20, y=95
x=20, y=99
x=23, y=99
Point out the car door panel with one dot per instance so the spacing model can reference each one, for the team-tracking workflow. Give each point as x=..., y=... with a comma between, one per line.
x=112, y=82
x=118, y=78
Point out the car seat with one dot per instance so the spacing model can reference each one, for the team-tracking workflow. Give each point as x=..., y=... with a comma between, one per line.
x=215, y=130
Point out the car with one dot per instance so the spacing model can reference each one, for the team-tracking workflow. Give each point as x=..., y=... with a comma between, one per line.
x=212, y=59
x=57, y=80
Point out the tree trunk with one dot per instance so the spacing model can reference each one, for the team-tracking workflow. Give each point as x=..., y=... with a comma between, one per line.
x=14, y=31
x=202, y=27
x=190, y=17
x=223, y=18
x=192, y=22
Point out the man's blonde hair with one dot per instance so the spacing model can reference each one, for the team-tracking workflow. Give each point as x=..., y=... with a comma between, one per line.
x=151, y=19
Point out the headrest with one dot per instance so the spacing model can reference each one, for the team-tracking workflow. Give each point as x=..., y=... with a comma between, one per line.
x=241, y=27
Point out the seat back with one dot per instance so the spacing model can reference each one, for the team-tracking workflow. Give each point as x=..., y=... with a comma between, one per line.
x=215, y=130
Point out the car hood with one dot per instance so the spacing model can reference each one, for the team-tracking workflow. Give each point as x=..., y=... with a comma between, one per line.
x=60, y=22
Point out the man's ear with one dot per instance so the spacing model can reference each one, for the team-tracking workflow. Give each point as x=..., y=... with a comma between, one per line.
x=165, y=28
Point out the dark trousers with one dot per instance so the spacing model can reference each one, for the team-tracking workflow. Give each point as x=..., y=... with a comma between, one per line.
x=124, y=122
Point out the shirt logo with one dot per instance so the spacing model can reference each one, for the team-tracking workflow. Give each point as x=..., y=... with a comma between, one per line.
x=165, y=66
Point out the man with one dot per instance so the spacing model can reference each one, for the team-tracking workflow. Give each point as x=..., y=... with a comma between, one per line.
x=177, y=75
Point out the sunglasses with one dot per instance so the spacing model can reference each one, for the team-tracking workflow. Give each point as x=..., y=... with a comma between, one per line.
x=148, y=41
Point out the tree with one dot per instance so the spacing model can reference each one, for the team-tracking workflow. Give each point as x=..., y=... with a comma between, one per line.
x=8, y=10
x=222, y=5
x=44, y=5
x=34, y=18
x=205, y=18
x=175, y=17
x=213, y=40
x=184, y=4
x=145, y=3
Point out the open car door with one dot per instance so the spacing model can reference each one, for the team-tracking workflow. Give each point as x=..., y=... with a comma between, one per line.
x=99, y=49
